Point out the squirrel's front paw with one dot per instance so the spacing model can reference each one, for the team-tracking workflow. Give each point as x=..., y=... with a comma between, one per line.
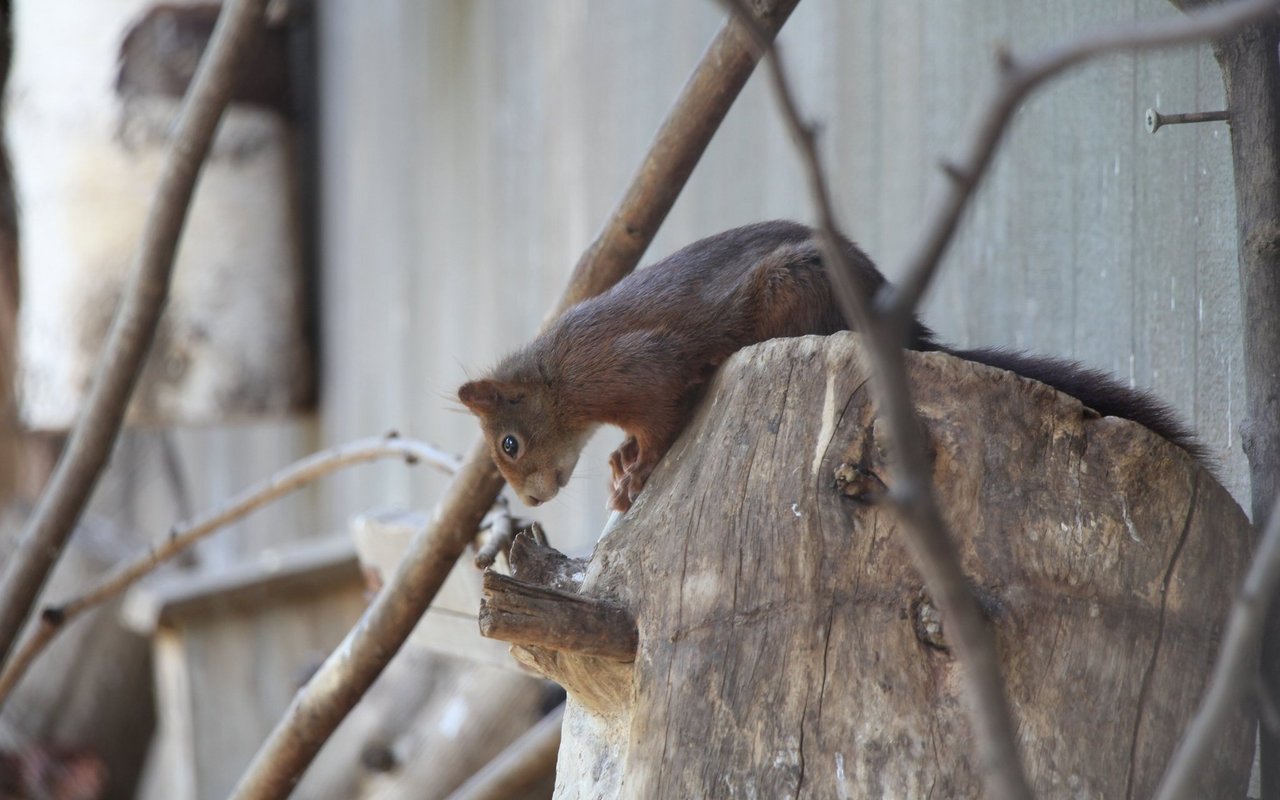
x=627, y=488
x=622, y=460
x=621, y=499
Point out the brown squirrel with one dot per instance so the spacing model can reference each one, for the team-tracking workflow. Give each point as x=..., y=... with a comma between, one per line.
x=639, y=355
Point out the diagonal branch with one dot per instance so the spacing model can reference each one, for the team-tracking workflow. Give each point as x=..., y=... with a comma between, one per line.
x=1017, y=79
x=931, y=545
x=1235, y=669
x=54, y=619
x=345, y=676
x=134, y=325
x=888, y=326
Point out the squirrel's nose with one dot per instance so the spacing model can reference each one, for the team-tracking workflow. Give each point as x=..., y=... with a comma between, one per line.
x=532, y=501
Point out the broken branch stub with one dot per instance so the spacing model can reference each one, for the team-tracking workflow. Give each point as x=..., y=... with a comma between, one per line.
x=531, y=615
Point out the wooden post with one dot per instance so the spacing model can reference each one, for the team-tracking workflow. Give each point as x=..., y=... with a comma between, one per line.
x=787, y=648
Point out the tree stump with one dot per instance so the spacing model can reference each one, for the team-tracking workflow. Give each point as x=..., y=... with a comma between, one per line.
x=786, y=645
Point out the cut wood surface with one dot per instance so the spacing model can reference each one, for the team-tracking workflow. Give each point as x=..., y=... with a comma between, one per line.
x=786, y=647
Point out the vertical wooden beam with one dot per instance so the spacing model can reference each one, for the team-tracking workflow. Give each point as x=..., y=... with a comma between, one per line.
x=1251, y=74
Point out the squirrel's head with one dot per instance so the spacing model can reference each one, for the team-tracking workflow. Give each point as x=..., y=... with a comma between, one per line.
x=535, y=450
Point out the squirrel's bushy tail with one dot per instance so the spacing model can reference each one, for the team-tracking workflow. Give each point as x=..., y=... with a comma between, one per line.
x=1096, y=390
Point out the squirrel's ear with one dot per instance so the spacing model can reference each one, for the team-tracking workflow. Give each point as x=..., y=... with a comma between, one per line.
x=480, y=396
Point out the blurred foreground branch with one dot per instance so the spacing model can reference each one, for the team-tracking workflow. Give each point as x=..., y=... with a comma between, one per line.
x=54, y=619
x=888, y=326
x=134, y=325
x=1236, y=667
x=524, y=762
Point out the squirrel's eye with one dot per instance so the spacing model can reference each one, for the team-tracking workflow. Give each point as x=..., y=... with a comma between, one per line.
x=510, y=446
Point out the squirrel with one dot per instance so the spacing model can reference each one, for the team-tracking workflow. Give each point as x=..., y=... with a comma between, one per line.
x=638, y=356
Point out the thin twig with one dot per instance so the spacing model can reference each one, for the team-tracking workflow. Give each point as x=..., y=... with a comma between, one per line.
x=134, y=325
x=527, y=760
x=931, y=543
x=888, y=333
x=1016, y=80
x=347, y=674
x=1018, y=77
x=54, y=618
x=1234, y=670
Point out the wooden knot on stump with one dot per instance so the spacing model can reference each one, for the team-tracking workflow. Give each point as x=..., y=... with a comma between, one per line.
x=585, y=644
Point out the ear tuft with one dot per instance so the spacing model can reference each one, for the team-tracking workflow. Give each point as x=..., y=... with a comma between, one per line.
x=480, y=396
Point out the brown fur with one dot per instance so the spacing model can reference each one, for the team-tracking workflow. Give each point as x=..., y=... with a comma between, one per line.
x=638, y=356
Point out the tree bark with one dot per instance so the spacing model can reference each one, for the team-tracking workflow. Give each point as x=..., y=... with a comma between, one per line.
x=787, y=646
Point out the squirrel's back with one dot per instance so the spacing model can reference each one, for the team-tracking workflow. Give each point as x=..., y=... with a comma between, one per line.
x=638, y=354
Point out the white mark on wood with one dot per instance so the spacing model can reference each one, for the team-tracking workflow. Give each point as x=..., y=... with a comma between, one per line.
x=842, y=780
x=1230, y=425
x=453, y=717
x=828, y=421
x=788, y=757
x=1128, y=521
x=795, y=509
x=701, y=590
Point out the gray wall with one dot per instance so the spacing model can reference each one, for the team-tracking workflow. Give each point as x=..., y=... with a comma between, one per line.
x=472, y=149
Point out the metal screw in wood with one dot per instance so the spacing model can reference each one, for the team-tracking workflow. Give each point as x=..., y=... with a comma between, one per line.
x=1155, y=120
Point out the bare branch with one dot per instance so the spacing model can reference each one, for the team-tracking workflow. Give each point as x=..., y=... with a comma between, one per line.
x=352, y=668
x=54, y=619
x=913, y=492
x=931, y=545
x=134, y=325
x=685, y=133
x=1235, y=669
x=1017, y=77
x=526, y=760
